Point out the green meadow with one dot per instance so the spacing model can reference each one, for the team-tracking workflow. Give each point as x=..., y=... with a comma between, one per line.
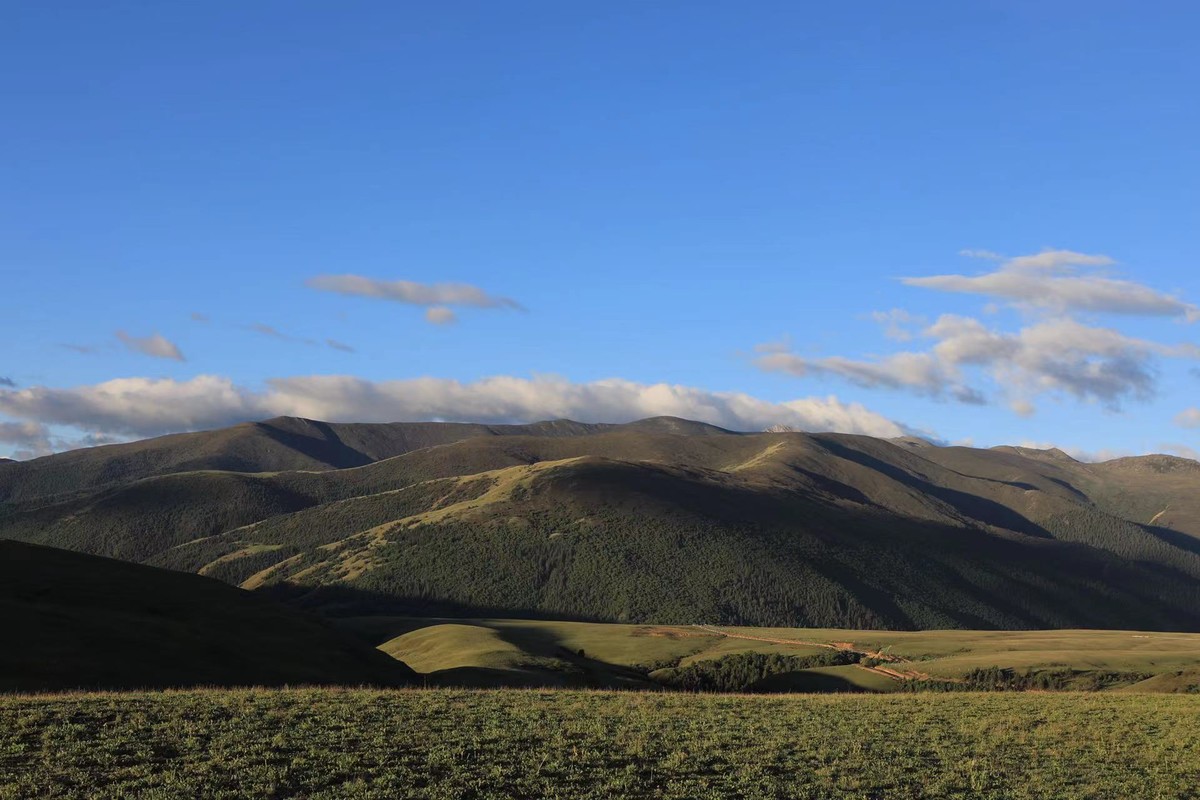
x=497, y=652
x=442, y=743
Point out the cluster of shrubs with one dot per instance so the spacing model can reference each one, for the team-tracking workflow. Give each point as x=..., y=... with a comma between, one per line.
x=1006, y=679
x=740, y=672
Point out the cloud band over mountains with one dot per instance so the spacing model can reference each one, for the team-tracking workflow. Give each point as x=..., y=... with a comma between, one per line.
x=148, y=407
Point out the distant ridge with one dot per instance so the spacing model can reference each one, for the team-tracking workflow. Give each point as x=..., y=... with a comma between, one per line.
x=1160, y=464
x=278, y=444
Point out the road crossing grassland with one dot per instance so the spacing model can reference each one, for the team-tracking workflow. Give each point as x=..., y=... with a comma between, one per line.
x=578, y=744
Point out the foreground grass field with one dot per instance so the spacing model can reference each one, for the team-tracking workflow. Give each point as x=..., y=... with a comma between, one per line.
x=569, y=744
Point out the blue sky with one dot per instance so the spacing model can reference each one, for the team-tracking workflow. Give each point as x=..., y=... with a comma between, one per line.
x=697, y=207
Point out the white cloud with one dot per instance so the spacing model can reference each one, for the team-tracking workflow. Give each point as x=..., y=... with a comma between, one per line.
x=154, y=345
x=144, y=407
x=1022, y=407
x=440, y=315
x=336, y=345
x=1051, y=260
x=1056, y=356
x=30, y=439
x=1189, y=418
x=1063, y=281
x=133, y=405
x=919, y=372
x=421, y=294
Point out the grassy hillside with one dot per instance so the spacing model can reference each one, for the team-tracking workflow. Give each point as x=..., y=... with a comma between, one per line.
x=501, y=744
x=78, y=621
x=498, y=652
x=620, y=541
x=666, y=521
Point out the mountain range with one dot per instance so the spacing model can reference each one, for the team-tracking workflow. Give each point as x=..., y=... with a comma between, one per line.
x=662, y=520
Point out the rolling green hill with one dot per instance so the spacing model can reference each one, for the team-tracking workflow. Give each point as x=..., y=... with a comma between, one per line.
x=663, y=521
x=77, y=621
x=511, y=652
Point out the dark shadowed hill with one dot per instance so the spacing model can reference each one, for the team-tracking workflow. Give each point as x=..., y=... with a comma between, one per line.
x=77, y=621
x=671, y=521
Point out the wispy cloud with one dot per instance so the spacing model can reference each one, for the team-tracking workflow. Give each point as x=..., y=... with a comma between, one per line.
x=1057, y=354
x=199, y=316
x=921, y=373
x=1060, y=355
x=275, y=333
x=83, y=349
x=144, y=406
x=1188, y=418
x=155, y=345
x=438, y=297
x=986, y=255
x=9, y=382
x=440, y=315
x=1062, y=281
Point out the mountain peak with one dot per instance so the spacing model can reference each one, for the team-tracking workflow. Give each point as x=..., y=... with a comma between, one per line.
x=1051, y=453
x=911, y=441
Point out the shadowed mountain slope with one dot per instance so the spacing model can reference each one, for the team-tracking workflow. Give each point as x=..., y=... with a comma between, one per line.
x=670, y=521
x=78, y=621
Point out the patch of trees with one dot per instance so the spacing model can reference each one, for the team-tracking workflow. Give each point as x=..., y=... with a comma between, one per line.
x=740, y=672
x=1007, y=679
x=1125, y=539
